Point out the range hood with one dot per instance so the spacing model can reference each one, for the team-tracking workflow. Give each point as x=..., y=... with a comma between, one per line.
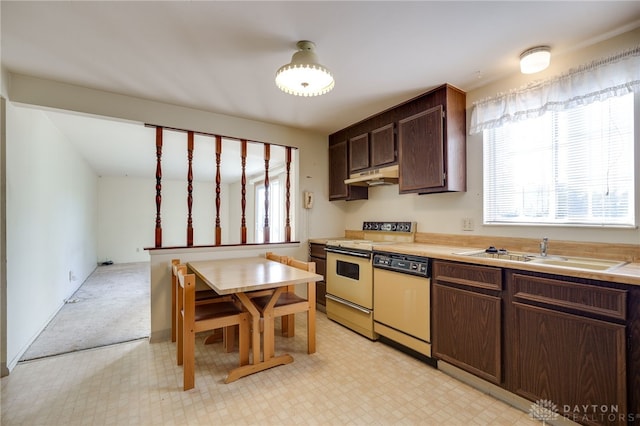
x=382, y=176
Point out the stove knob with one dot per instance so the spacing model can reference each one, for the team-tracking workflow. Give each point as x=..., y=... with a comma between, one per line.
x=376, y=225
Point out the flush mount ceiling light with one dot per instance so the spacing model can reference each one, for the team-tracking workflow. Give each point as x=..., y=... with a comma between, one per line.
x=535, y=59
x=304, y=76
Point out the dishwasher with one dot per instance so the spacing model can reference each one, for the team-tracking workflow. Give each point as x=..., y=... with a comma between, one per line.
x=401, y=300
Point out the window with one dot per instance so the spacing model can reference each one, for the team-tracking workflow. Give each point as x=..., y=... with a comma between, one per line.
x=571, y=167
x=276, y=210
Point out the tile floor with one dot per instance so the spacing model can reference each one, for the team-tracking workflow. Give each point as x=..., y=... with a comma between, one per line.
x=349, y=380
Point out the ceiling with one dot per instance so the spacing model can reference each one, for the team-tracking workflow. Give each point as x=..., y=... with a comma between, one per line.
x=222, y=56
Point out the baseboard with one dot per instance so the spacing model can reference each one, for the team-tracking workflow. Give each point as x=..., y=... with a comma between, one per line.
x=497, y=392
x=160, y=336
x=13, y=362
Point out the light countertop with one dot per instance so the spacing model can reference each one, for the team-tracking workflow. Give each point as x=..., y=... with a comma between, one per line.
x=628, y=273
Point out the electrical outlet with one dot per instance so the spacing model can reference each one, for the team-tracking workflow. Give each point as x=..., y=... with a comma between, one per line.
x=467, y=224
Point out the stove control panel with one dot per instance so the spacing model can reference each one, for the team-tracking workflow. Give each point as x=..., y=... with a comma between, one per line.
x=406, y=264
x=389, y=226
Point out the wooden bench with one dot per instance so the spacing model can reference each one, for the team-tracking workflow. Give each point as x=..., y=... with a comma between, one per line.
x=202, y=297
x=290, y=303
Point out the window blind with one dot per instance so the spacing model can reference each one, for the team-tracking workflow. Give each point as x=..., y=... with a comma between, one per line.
x=569, y=167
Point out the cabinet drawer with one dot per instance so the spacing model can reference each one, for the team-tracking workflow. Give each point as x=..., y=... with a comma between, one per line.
x=602, y=301
x=317, y=250
x=485, y=277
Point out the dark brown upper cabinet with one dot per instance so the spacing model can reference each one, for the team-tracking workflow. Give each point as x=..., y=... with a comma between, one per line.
x=374, y=149
x=359, y=153
x=425, y=136
x=432, y=143
x=383, y=146
x=421, y=151
x=339, y=171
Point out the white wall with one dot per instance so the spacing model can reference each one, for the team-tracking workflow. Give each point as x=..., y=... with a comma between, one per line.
x=443, y=213
x=3, y=238
x=51, y=224
x=127, y=211
x=4, y=90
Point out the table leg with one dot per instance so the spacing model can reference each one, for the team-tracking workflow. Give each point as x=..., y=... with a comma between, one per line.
x=269, y=325
x=255, y=325
x=268, y=346
x=246, y=370
x=311, y=318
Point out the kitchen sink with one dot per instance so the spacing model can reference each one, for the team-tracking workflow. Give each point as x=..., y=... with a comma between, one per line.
x=579, y=263
x=563, y=261
x=499, y=254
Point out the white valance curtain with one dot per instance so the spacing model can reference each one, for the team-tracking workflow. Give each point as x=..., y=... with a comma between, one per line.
x=599, y=80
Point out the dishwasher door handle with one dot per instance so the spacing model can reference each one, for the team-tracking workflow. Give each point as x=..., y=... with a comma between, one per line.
x=349, y=304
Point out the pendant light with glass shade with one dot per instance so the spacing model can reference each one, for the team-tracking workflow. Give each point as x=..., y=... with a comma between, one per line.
x=304, y=76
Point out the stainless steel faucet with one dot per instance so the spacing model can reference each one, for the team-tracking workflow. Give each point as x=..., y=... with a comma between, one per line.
x=544, y=244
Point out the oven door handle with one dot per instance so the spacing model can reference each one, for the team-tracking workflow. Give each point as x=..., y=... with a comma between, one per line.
x=347, y=303
x=348, y=253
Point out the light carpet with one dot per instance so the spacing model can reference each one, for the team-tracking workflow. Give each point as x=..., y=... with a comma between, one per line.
x=111, y=306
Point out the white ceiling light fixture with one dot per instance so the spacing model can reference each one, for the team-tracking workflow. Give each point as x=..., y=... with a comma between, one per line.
x=535, y=59
x=304, y=76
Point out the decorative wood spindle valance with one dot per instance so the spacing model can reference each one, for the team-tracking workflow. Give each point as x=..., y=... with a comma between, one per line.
x=158, y=241
x=218, y=180
x=190, y=189
x=243, y=165
x=244, y=155
x=266, y=230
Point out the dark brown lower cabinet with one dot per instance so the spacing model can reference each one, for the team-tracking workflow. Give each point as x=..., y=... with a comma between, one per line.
x=318, y=255
x=567, y=343
x=568, y=347
x=467, y=318
x=468, y=331
x=571, y=361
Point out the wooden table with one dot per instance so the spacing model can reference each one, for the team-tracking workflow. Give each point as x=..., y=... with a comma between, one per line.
x=241, y=275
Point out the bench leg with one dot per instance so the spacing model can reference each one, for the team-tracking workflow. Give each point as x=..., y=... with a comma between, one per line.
x=189, y=359
x=229, y=338
x=244, y=340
